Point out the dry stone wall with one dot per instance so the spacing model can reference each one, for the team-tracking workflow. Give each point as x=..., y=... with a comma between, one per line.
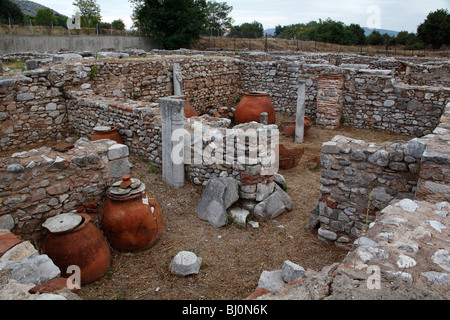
x=207, y=81
x=31, y=110
x=376, y=101
x=40, y=183
x=434, y=178
x=34, y=105
x=138, y=123
x=359, y=179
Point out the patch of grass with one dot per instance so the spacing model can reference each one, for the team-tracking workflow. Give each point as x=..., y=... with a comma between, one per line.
x=15, y=66
x=153, y=168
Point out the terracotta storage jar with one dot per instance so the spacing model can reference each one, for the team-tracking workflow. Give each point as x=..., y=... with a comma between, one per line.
x=106, y=132
x=252, y=105
x=307, y=126
x=131, y=218
x=72, y=239
x=189, y=110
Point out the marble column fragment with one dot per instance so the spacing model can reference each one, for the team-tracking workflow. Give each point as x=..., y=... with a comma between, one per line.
x=172, y=118
x=300, y=115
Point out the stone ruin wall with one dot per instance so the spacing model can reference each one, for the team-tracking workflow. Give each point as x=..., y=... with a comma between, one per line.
x=206, y=81
x=32, y=110
x=41, y=183
x=244, y=153
x=385, y=99
x=34, y=107
x=379, y=102
x=52, y=103
x=359, y=179
x=138, y=123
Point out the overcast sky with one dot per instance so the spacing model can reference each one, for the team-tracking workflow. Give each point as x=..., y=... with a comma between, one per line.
x=395, y=15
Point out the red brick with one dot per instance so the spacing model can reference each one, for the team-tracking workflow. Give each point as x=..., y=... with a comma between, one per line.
x=53, y=285
x=257, y=293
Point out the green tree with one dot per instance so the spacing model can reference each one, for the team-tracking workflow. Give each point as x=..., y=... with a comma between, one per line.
x=375, y=38
x=10, y=11
x=247, y=30
x=118, y=24
x=402, y=38
x=218, y=20
x=355, y=34
x=174, y=23
x=90, y=12
x=44, y=17
x=435, y=30
x=330, y=31
x=60, y=20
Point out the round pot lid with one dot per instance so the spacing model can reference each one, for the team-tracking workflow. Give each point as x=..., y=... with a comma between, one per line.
x=126, y=187
x=63, y=222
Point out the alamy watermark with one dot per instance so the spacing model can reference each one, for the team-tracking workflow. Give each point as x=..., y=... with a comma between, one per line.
x=374, y=19
x=73, y=281
x=374, y=280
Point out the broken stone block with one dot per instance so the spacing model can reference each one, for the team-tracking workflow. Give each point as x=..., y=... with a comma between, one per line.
x=442, y=259
x=119, y=167
x=18, y=252
x=271, y=280
x=240, y=215
x=218, y=196
x=274, y=205
x=367, y=253
x=291, y=271
x=118, y=151
x=185, y=263
x=36, y=269
x=279, y=179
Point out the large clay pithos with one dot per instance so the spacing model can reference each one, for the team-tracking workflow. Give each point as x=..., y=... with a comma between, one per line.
x=189, y=110
x=106, y=132
x=131, y=218
x=73, y=240
x=252, y=105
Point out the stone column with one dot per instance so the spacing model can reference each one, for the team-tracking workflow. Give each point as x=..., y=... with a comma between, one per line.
x=300, y=115
x=172, y=118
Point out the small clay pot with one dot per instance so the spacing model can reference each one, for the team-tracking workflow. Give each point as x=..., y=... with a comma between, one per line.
x=252, y=105
x=131, y=218
x=78, y=243
x=289, y=158
x=307, y=126
x=106, y=132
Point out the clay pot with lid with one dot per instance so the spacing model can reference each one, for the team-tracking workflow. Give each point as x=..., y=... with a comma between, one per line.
x=131, y=218
x=106, y=132
x=252, y=105
x=72, y=239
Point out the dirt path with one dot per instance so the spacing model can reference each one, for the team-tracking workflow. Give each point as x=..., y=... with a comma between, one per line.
x=233, y=257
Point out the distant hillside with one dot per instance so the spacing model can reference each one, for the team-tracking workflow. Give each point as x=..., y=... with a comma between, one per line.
x=269, y=32
x=368, y=31
x=31, y=8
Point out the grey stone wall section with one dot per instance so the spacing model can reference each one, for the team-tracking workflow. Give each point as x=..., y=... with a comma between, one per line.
x=15, y=43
